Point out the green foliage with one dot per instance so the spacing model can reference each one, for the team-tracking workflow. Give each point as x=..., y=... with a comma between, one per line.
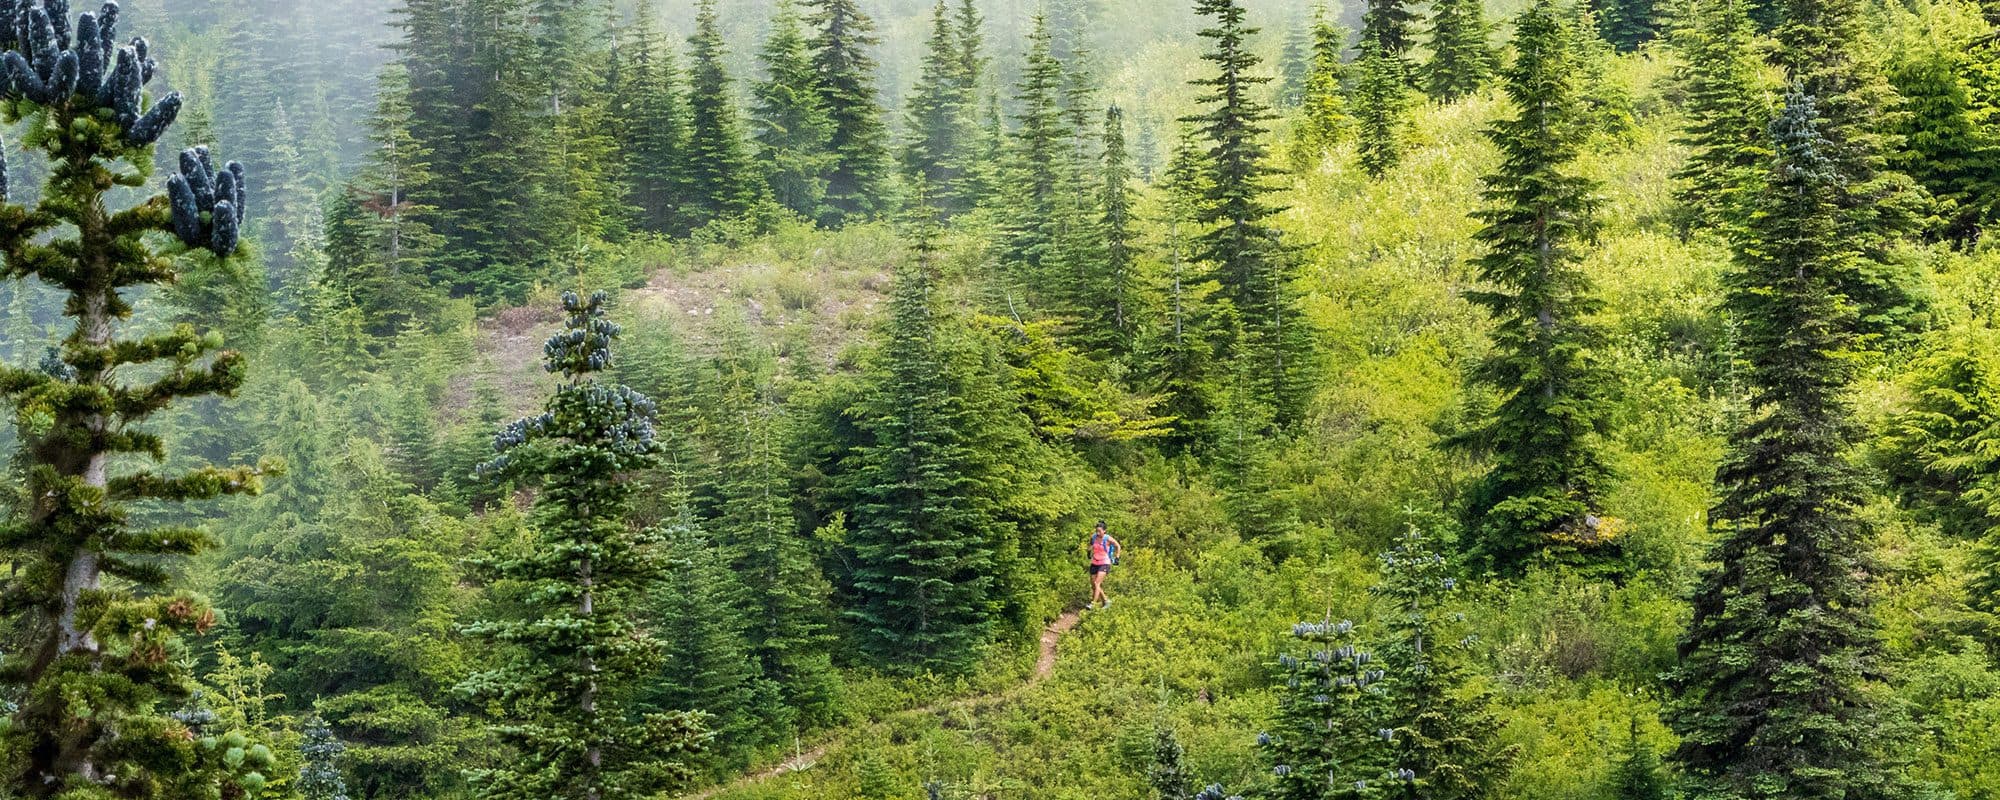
x=1627, y=24
x=719, y=183
x=1168, y=774
x=576, y=653
x=790, y=122
x=1326, y=741
x=1462, y=62
x=1323, y=117
x=97, y=623
x=652, y=120
x=1548, y=474
x=846, y=82
x=1381, y=101
x=1781, y=622
x=1720, y=78
x=1946, y=147
x=941, y=117
x=319, y=777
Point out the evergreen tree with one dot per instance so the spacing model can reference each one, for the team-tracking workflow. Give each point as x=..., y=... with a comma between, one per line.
x=1637, y=776
x=1120, y=258
x=1176, y=352
x=1820, y=50
x=319, y=777
x=1441, y=736
x=1627, y=24
x=1946, y=149
x=1323, y=116
x=855, y=184
x=1771, y=696
x=1169, y=774
x=1326, y=740
x=1250, y=263
x=653, y=117
x=792, y=128
x=1295, y=62
x=1547, y=476
x=1381, y=111
x=380, y=242
x=712, y=671
x=1727, y=113
x=720, y=183
x=1389, y=24
x=578, y=654
x=1461, y=59
x=929, y=552
x=940, y=117
x=96, y=628
x=1038, y=152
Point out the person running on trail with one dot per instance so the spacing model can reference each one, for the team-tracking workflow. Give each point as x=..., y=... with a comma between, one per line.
x=1103, y=554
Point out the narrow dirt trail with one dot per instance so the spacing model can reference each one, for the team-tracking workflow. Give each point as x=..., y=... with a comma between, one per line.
x=1045, y=665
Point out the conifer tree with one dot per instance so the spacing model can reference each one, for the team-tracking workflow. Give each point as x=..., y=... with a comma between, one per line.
x=1441, y=736
x=1727, y=113
x=1381, y=110
x=1249, y=261
x=319, y=776
x=711, y=670
x=1326, y=740
x=792, y=128
x=1461, y=59
x=846, y=79
x=577, y=653
x=1176, y=353
x=1389, y=25
x=1547, y=476
x=940, y=117
x=97, y=654
x=1295, y=62
x=1038, y=150
x=1781, y=621
x=930, y=555
x=380, y=241
x=653, y=118
x=1820, y=47
x=1946, y=149
x=1637, y=776
x=1169, y=774
x=1323, y=116
x=1627, y=24
x=720, y=183
x=1120, y=258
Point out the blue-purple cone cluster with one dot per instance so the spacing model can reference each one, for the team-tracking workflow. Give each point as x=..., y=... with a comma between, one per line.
x=207, y=203
x=48, y=63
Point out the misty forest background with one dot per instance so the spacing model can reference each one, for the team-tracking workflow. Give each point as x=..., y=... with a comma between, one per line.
x=1509, y=399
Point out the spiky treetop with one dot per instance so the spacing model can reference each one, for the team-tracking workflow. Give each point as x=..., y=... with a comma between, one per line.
x=1325, y=743
x=91, y=664
x=578, y=654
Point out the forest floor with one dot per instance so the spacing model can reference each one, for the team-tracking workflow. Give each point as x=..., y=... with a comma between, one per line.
x=1045, y=665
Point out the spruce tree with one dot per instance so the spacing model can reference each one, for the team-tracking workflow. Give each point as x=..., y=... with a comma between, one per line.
x=1038, y=151
x=1772, y=697
x=653, y=117
x=1727, y=110
x=1295, y=62
x=1168, y=774
x=1323, y=114
x=928, y=550
x=1326, y=739
x=1627, y=24
x=380, y=240
x=1462, y=61
x=792, y=128
x=711, y=672
x=1637, y=775
x=1946, y=148
x=1820, y=47
x=1381, y=110
x=97, y=655
x=1390, y=24
x=855, y=184
x=576, y=652
x=1441, y=736
x=720, y=182
x=1249, y=261
x=1176, y=351
x=1120, y=257
x=319, y=775
x=940, y=117
x=1547, y=476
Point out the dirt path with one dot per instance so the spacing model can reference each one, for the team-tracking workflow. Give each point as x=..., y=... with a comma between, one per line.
x=1045, y=665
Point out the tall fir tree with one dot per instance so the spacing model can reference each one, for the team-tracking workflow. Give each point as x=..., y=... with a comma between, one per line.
x=1946, y=148
x=1390, y=25
x=1295, y=61
x=652, y=115
x=712, y=672
x=1120, y=249
x=1381, y=102
x=793, y=131
x=856, y=184
x=1771, y=698
x=576, y=654
x=1326, y=741
x=319, y=773
x=381, y=267
x=1176, y=349
x=1462, y=60
x=1821, y=47
x=1323, y=116
x=720, y=182
x=929, y=552
x=1168, y=774
x=1037, y=152
x=940, y=117
x=1627, y=24
x=1727, y=108
x=1547, y=475
x=98, y=653
x=1442, y=738
x=1250, y=262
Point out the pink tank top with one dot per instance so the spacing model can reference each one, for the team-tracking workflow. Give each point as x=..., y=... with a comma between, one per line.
x=1100, y=551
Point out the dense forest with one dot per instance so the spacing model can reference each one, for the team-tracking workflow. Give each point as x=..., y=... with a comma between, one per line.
x=531, y=399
